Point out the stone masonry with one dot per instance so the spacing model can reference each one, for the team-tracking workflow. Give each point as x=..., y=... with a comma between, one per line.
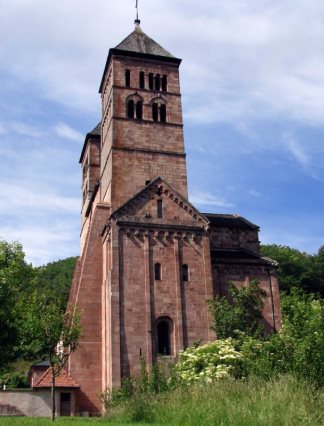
x=149, y=259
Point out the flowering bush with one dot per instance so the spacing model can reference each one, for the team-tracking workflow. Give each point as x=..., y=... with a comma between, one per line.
x=214, y=360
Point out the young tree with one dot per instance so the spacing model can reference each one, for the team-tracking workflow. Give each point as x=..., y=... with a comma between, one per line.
x=47, y=329
x=15, y=280
x=242, y=311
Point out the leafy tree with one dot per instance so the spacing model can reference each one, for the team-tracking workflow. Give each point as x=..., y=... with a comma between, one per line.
x=48, y=330
x=297, y=269
x=16, y=277
x=242, y=311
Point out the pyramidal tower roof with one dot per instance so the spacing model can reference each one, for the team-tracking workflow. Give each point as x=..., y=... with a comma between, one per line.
x=139, y=42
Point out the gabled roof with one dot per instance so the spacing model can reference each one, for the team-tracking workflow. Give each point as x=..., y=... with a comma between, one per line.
x=95, y=133
x=64, y=380
x=230, y=221
x=158, y=181
x=139, y=42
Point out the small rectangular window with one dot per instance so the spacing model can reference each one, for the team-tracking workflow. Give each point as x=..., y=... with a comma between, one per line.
x=185, y=272
x=157, y=272
x=159, y=209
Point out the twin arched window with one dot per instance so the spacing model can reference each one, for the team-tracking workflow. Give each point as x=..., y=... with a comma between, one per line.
x=159, y=112
x=135, y=109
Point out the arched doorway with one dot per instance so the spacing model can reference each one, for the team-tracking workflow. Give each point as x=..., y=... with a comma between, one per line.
x=163, y=334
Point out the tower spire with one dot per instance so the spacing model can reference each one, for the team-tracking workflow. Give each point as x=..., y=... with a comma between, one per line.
x=137, y=21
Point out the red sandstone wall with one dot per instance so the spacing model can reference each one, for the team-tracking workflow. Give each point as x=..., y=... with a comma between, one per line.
x=241, y=275
x=234, y=238
x=85, y=364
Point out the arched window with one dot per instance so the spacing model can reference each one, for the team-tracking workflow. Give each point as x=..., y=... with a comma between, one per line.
x=163, y=337
x=130, y=108
x=127, y=78
x=139, y=110
x=185, y=272
x=155, y=112
x=151, y=81
x=164, y=83
x=142, y=80
x=157, y=82
x=157, y=272
x=163, y=113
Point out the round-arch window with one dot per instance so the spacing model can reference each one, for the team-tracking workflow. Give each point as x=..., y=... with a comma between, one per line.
x=163, y=337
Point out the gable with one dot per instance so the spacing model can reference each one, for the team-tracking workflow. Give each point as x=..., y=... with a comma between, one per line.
x=159, y=203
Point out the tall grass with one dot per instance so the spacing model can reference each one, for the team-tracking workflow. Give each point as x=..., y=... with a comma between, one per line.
x=284, y=401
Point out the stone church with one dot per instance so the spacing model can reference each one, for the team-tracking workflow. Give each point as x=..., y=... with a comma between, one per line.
x=149, y=259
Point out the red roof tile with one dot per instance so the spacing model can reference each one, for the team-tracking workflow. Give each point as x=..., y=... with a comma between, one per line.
x=64, y=380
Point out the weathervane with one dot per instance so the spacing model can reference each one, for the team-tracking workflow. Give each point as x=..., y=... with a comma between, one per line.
x=137, y=21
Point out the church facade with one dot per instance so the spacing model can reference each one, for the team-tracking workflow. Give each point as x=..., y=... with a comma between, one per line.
x=149, y=259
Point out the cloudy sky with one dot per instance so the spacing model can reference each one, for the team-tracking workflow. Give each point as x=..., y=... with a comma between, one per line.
x=252, y=80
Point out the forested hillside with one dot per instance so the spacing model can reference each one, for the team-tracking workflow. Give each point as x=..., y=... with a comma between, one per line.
x=297, y=269
x=56, y=278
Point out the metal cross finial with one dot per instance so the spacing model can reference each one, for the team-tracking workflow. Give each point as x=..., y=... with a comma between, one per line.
x=137, y=21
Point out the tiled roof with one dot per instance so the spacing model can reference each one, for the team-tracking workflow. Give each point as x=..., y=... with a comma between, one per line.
x=139, y=42
x=240, y=254
x=230, y=221
x=41, y=364
x=64, y=380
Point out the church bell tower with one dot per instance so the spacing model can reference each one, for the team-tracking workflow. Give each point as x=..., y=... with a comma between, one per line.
x=142, y=128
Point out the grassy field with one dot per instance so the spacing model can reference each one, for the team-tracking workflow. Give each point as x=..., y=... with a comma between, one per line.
x=283, y=402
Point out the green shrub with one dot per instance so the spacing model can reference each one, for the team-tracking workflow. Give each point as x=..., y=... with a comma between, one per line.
x=242, y=311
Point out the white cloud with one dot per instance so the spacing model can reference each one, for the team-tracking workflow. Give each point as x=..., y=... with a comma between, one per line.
x=24, y=129
x=65, y=131
x=296, y=150
x=201, y=198
x=242, y=60
x=19, y=198
x=41, y=243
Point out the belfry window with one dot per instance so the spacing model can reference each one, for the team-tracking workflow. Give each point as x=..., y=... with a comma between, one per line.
x=155, y=112
x=139, y=110
x=157, y=82
x=164, y=83
x=142, y=80
x=130, y=108
x=185, y=273
x=151, y=81
x=163, y=113
x=127, y=78
x=163, y=337
x=157, y=272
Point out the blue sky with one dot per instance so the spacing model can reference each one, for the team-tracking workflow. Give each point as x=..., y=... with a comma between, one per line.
x=252, y=80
